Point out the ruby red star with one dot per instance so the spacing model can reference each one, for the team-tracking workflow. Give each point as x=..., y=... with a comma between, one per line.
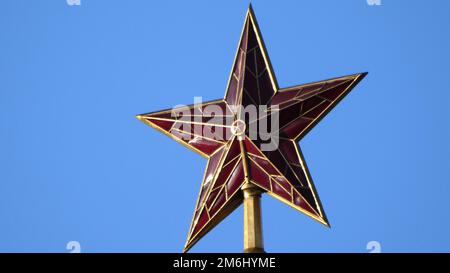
x=281, y=172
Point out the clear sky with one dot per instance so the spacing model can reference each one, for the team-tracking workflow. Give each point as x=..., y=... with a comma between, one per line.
x=75, y=164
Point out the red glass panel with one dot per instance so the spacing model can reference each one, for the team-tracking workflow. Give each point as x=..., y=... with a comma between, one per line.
x=182, y=135
x=284, y=96
x=163, y=124
x=311, y=89
x=317, y=110
x=279, y=191
x=335, y=89
x=300, y=202
x=250, y=147
x=225, y=173
x=310, y=103
x=232, y=91
x=218, y=203
x=265, y=87
x=234, y=150
x=206, y=146
x=250, y=62
x=258, y=176
x=300, y=174
x=260, y=63
x=212, y=196
x=251, y=89
x=265, y=164
x=236, y=180
x=277, y=159
x=282, y=182
x=289, y=114
x=201, y=221
x=294, y=128
x=288, y=149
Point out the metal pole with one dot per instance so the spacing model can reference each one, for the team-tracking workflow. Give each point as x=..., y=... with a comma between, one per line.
x=253, y=238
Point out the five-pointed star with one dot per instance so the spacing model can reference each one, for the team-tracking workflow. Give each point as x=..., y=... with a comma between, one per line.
x=237, y=159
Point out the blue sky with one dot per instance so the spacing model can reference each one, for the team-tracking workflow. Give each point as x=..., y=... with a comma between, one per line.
x=75, y=164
